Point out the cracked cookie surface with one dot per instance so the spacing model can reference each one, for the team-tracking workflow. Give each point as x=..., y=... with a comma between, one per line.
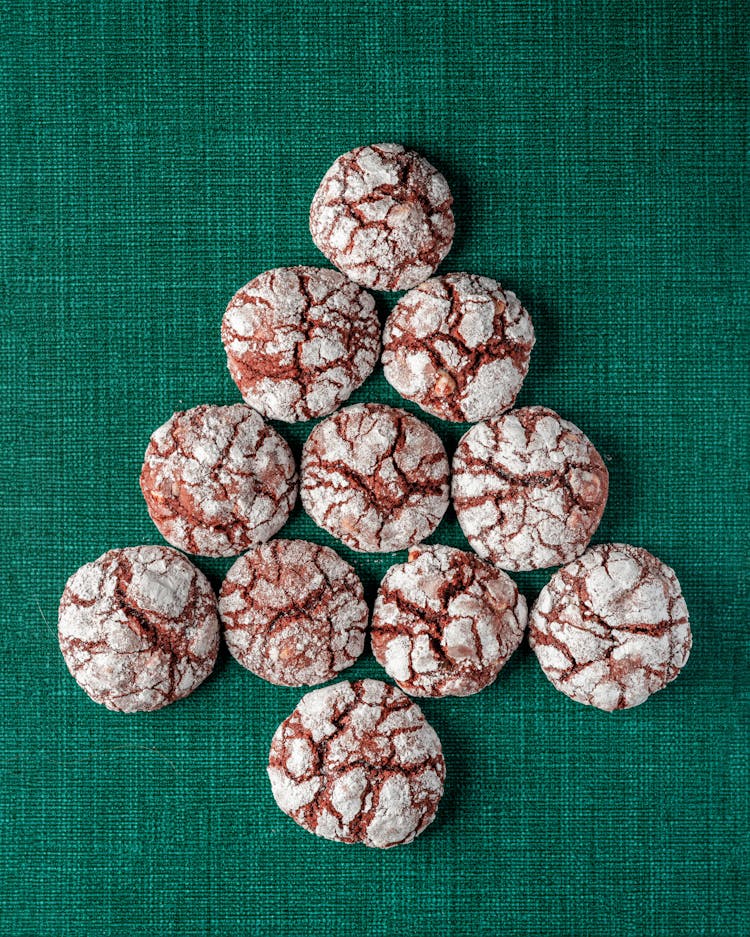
x=375, y=477
x=529, y=489
x=382, y=215
x=299, y=340
x=293, y=613
x=612, y=627
x=446, y=622
x=218, y=480
x=138, y=628
x=358, y=763
x=459, y=346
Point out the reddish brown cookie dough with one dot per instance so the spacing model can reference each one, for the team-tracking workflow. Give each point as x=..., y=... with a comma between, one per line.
x=293, y=613
x=382, y=215
x=138, y=628
x=446, y=622
x=459, y=346
x=529, y=489
x=358, y=763
x=612, y=627
x=299, y=340
x=375, y=477
x=218, y=480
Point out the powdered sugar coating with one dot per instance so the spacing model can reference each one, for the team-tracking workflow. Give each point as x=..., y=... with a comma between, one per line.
x=358, y=763
x=529, y=489
x=299, y=340
x=446, y=622
x=612, y=627
x=218, y=479
x=382, y=215
x=293, y=613
x=459, y=346
x=138, y=628
x=375, y=477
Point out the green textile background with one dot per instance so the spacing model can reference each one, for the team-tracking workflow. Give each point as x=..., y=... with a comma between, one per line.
x=156, y=157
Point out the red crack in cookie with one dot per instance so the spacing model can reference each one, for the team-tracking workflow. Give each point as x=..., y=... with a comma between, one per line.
x=293, y=613
x=612, y=627
x=382, y=215
x=138, y=628
x=459, y=346
x=446, y=622
x=529, y=489
x=299, y=340
x=358, y=763
x=218, y=480
x=375, y=477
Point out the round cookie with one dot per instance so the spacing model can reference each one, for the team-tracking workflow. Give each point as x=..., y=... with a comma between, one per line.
x=382, y=215
x=459, y=346
x=218, y=480
x=375, y=477
x=611, y=628
x=446, y=622
x=138, y=628
x=358, y=763
x=299, y=340
x=293, y=613
x=529, y=489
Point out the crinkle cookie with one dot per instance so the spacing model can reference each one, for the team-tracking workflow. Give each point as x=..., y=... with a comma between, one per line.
x=529, y=489
x=446, y=622
x=459, y=346
x=375, y=477
x=218, y=480
x=358, y=763
x=611, y=628
x=293, y=613
x=299, y=340
x=382, y=215
x=138, y=628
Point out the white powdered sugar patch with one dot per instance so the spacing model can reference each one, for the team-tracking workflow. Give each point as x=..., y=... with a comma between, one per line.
x=459, y=346
x=299, y=340
x=612, y=627
x=138, y=628
x=529, y=489
x=293, y=613
x=382, y=215
x=445, y=622
x=375, y=477
x=218, y=479
x=358, y=763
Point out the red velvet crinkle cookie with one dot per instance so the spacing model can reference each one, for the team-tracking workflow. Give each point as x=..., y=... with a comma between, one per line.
x=446, y=622
x=529, y=489
x=611, y=628
x=358, y=763
x=218, y=480
x=299, y=340
x=375, y=477
x=293, y=613
x=459, y=346
x=138, y=628
x=382, y=215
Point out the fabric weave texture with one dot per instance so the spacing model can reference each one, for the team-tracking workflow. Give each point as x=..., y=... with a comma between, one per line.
x=157, y=156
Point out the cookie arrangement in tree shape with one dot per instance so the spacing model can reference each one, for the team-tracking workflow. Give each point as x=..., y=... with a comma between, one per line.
x=357, y=762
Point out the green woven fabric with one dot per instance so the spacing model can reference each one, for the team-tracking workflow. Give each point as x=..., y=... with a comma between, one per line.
x=156, y=157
